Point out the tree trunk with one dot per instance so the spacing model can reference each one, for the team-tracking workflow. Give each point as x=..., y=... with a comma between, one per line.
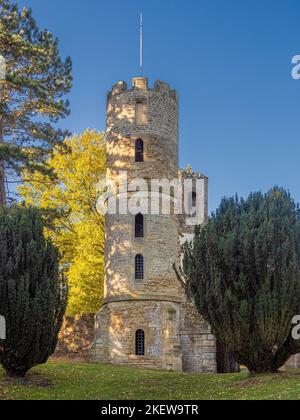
x=265, y=363
x=16, y=374
x=225, y=361
x=263, y=370
x=2, y=174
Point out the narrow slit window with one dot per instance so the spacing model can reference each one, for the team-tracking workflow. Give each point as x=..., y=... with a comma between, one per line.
x=141, y=113
x=139, y=226
x=139, y=150
x=139, y=267
x=140, y=343
x=193, y=204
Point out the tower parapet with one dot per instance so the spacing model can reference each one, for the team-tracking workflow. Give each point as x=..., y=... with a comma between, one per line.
x=142, y=83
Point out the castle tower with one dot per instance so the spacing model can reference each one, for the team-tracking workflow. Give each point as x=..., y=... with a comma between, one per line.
x=144, y=310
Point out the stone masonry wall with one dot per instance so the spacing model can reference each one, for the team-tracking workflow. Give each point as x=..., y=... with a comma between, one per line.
x=159, y=248
x=198, y=343
x=76, y=336
x=161, y=324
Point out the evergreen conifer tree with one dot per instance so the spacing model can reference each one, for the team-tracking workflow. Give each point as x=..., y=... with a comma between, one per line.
x=32, y=93
x=32, y=295
x=243, y=269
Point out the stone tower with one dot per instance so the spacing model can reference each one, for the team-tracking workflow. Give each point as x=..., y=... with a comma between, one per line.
x=145, y=319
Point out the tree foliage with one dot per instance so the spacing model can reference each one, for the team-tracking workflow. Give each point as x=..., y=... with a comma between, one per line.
x=244, y=272
x=69, y=202
x=32, y=296
x=32, y=95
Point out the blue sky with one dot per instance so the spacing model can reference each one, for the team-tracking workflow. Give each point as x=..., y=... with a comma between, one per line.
x=230, y=62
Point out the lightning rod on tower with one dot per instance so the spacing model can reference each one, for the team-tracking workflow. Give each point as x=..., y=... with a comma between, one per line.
x=141, y=43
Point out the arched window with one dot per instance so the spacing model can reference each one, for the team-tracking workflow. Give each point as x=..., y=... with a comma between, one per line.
x=140, y=343
x=139, y=150
x=141, y=113
x=139, y=267
x=139, y=226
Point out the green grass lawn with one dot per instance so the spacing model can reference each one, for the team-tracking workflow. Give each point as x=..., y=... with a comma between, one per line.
x=74, y=381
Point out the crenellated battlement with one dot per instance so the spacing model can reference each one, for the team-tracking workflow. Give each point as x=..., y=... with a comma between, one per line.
x=164, y=88
x=142, y=84
x=190, y=174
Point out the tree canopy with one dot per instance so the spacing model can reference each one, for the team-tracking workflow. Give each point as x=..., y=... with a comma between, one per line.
x=69, y=203
x=32, y=94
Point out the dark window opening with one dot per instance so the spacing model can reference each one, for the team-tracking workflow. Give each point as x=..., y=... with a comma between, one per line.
x=139, y=267
x=139, y=151
x=193, y=204
x=140, y=343
x=139, y=226
x=194, y=199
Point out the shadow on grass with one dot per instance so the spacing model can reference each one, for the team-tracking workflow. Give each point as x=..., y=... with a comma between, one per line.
x=31, y=380
x=263, y=379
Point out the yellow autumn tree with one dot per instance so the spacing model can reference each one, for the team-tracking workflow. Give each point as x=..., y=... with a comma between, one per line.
x=69, y=202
